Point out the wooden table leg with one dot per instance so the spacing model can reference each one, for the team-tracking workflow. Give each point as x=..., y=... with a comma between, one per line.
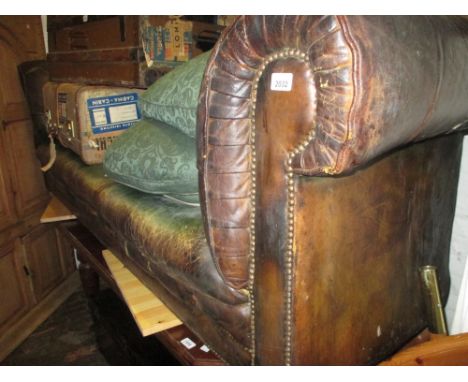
x=89, y=278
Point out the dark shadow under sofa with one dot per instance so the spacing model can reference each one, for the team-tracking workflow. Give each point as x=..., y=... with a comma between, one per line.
x=319, y=205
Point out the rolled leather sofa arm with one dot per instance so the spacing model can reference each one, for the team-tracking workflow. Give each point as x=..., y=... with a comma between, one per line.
x=366, y=86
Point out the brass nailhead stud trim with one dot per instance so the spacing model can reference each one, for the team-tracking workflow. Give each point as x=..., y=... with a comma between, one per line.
x=285, y=53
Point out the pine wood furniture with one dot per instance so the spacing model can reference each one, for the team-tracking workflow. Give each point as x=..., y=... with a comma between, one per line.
x=93, y=268
x=35, y=263
x=150, y=314
x=430, y=349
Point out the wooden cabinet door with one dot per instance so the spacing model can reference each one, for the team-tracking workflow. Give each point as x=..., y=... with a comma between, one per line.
x=14, y=286
x=7, y=214
x=26, y=34
x=30, y=191
x=17, y=140
x=67, y=253
x=43, y=257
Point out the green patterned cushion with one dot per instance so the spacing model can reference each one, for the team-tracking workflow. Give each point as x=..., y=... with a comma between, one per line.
x=174, y=97
x=155, y=158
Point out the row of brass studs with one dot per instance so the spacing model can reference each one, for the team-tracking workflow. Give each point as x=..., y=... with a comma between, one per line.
x=290, y=244
x=217, y=355
x=289, y=258
x=285, y=53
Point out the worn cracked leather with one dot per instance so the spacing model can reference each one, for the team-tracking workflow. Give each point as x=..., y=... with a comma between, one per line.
x=319, y=204
x=375, y=82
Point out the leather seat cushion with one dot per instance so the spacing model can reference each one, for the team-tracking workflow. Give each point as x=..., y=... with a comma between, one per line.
x=164, y=238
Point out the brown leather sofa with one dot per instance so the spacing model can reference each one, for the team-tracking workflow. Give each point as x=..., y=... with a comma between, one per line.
x=319, y=204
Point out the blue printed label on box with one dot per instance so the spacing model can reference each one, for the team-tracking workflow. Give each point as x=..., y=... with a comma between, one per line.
x=113, y=113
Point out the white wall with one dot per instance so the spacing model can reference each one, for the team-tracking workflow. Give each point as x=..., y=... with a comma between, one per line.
x=44, y=31
x=459, y=245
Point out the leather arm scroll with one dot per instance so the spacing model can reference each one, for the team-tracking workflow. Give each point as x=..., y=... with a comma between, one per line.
x=372, y=84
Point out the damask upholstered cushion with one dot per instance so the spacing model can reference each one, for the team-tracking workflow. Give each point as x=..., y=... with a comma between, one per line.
x=156, y=158
x=173, y=99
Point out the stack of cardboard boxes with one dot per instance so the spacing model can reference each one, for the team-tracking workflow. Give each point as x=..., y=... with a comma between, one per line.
x=123, y=50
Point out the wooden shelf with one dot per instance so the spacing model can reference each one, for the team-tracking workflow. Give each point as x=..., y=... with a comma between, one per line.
x=90, y=255
x=56, y=211
x=150, y=314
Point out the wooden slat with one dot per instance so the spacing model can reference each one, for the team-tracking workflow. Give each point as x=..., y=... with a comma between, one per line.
x=56, y=211
x=150, y=314
x=437, y=350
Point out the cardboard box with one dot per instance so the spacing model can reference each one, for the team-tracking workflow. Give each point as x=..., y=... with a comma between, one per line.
x=166, y=40
x=123, y=50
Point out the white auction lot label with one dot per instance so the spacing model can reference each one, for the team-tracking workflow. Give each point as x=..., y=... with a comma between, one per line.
x=281, y=82
x=188, y=343
x=205, y=348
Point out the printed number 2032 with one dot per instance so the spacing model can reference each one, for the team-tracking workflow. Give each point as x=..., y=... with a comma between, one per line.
x=281, y=81
x=281, y=84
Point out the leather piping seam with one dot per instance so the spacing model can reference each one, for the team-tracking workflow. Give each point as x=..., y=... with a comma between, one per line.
x=356, y=97
x=283, y=54
x=207, y=81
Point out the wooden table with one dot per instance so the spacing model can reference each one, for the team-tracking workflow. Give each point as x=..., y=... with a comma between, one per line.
x=185, y=346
